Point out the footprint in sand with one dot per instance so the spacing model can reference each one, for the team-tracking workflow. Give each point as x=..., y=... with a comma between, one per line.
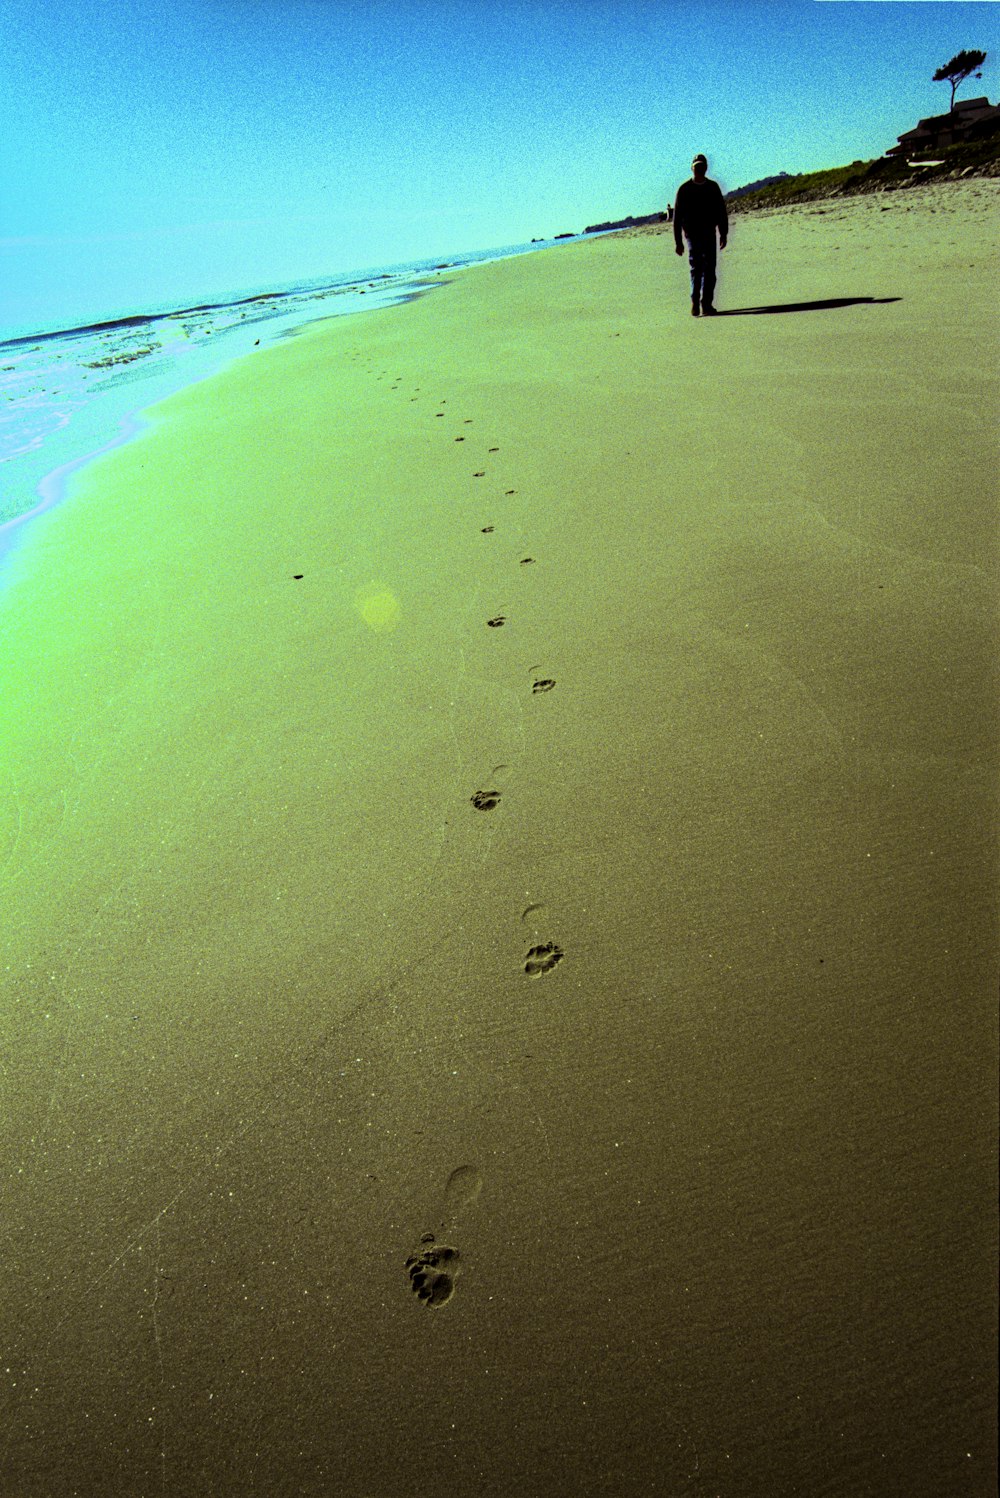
x=485, y=800
x=544, y=685
x=434, y=1267
x=497, y=622
x=542, y=959
x=433, y=1272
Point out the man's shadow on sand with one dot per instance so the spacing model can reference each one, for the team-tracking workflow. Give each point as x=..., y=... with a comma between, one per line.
x=834, y=301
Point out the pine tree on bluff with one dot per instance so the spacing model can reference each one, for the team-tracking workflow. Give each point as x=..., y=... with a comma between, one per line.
x=962, y=66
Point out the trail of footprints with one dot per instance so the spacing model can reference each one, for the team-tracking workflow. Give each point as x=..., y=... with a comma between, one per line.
x=539, y=959
x=543, y=958
x=433, y=1267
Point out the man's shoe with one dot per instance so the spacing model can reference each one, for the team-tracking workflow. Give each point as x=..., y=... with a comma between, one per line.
x=707, y=310
x=694, y=309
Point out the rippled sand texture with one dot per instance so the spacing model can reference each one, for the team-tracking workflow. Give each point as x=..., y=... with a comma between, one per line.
x=500, y=945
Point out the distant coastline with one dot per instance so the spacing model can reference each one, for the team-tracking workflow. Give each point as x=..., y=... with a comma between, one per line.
x=627, y=223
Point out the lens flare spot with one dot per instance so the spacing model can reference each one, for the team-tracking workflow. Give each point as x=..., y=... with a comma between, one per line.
x=378, y=607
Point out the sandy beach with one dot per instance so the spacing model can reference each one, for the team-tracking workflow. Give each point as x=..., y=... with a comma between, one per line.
x=498, y=830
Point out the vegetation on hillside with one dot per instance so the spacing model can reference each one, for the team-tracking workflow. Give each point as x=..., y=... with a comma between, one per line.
x=979, y=156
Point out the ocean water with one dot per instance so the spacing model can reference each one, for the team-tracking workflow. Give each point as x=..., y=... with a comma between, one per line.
x=69, y=394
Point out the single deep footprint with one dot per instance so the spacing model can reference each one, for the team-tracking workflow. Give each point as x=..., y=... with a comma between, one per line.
x=433, y=1270
x=544, y=685
x=542, y=959
x=485, y=800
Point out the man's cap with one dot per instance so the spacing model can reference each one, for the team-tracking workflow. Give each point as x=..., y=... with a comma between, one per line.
x=702, y=159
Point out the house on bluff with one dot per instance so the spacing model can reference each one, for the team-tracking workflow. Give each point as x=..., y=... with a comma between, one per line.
x=967, y=119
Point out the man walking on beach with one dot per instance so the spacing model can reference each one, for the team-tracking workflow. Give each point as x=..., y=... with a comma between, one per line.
x=700, y=209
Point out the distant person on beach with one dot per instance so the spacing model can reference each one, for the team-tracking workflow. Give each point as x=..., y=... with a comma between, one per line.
x=700, y=209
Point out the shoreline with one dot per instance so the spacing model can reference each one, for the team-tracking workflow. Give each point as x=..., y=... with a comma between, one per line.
x=683, y=1048
x=54, y=487
x=80, y=422
x=83, y=419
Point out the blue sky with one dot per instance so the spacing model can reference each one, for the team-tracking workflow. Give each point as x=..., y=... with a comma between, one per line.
x=158, y=150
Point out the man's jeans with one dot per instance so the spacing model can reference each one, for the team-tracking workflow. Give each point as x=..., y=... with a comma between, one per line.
x=701, y=258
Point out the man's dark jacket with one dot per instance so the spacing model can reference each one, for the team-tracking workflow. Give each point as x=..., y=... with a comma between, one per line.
x=700, y=209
